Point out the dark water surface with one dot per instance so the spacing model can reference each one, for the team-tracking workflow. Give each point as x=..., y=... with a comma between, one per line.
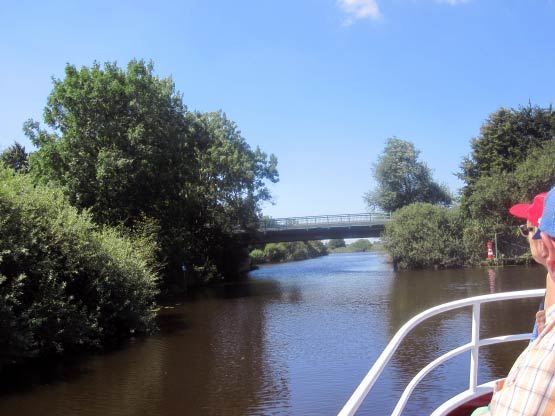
x=295, y=339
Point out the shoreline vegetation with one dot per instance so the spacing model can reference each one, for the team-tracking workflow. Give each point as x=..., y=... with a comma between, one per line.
x=65, y=284
x=130, y=196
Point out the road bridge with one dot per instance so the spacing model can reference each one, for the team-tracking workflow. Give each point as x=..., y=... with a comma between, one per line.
x=322, y=227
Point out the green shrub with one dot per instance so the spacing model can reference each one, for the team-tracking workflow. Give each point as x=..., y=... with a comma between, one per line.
x=316, y=248
x=422, y=235
x=336, y=243
x=275, y=252
x=66, y=285
x=257, y=256
x=360, y=245
x=296, y=250
x=293, y=251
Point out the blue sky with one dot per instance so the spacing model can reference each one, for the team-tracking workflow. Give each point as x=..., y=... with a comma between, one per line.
x=320, y=83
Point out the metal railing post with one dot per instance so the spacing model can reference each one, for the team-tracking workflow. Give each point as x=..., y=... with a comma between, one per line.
x=475, y=351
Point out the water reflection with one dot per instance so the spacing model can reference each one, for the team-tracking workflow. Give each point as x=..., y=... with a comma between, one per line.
x=222, y=365
x=491, y=278
x=209, y=358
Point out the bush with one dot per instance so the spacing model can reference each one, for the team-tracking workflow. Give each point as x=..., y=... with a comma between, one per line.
x=360, y=245
x=297, y=250
x=336, y=243
x=274, y=252
x=316, y=248
x=422, y=235
x=257, y=257
x=64, y=284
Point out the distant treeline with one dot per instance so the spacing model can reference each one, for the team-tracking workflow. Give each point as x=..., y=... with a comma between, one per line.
x=302, y=250
x=340, y=246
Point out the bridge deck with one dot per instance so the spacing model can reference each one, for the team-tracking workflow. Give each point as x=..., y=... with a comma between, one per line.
x=322, y=227
x=324, y=221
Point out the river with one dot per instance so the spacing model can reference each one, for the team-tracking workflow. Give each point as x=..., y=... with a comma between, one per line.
x=293, y=339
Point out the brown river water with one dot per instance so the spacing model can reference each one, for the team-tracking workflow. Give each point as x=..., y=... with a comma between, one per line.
x=293, y=339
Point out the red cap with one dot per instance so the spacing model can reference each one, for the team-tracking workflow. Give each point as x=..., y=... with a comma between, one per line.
x=531, y=212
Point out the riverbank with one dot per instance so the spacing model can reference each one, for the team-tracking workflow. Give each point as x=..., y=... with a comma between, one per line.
x=508, y=261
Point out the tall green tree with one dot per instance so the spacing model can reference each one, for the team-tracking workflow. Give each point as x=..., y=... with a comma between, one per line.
x=504, y=141
x=537, y=172
x=486, y=204
x=123, y=145
x=15, y=157
x=511, y=161
x=403, y=179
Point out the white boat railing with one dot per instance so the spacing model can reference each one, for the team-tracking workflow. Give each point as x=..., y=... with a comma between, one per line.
x=473, y=346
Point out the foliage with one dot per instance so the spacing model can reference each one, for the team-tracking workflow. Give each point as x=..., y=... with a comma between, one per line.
x=275, y=252
x=505, y=140
x=511, y=161
x=486, y=213
x=336, y=243
x=536, y=173
x=360, y=245
x=64, y=283
x=124, y=147
x=402, y=179
x=491, y=198
x=316, y=248
x=297, y=250
x=15, y=157
x=486, y=207
x=422, y=235
x=257, y=256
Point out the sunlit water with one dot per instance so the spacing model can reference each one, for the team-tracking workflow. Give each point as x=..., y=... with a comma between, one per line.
x=295, y=338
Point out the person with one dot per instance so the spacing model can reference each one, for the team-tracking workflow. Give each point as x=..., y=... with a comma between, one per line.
x=529, y=388
x=532, y=214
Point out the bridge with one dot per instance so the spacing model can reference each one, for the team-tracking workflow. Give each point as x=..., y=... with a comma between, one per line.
x=323, y=227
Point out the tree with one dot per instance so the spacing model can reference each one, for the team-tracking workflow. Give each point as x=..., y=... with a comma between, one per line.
x=123, y=146
x=336, y=243
x=402, y=179
x=504, y=141
x=15, y=157
x=485, y=206
x=536, y=173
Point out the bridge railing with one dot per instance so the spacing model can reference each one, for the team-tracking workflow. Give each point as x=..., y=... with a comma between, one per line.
x=324, y=221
